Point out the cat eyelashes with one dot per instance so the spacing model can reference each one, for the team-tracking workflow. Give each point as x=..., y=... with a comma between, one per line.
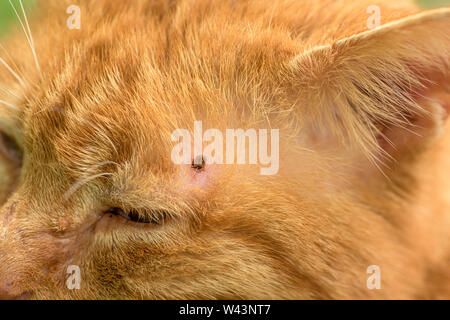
x=157, y=217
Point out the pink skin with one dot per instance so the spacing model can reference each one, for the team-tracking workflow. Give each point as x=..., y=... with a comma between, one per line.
x=26, y=256
x=51, y=252
x=196, y=182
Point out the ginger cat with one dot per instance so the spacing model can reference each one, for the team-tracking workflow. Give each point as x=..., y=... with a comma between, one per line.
x=87, y=183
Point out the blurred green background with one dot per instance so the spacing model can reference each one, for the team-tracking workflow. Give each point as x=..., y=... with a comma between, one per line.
x=433, y=3
x=7, y=15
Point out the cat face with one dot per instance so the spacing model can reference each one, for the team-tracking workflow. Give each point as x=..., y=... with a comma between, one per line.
x=94, y=205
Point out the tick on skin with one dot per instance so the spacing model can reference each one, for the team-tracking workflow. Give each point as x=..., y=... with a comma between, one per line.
x=198, y=163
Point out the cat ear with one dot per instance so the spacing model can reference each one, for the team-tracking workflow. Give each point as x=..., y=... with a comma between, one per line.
x=385, y=90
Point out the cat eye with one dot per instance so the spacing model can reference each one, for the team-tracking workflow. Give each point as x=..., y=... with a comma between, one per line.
x=157, y=217
x=10, y=149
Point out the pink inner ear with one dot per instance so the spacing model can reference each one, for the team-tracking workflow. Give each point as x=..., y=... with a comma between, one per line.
x=435, y=100
x=443, y=98
x=437, y=87
x=437, y=91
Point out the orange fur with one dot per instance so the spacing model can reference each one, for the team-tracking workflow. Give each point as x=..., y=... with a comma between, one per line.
x=109, y=95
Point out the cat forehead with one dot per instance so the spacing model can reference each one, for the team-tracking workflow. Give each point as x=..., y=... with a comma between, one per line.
x=96, y=122
x=124, y=92
x=112, y=89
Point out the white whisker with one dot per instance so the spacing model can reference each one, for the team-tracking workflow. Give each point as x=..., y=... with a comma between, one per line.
x=9, y=91
x=31, y=37
x=82, y=182
x=9, y=105
x=13, y=72
x=26, y=34
x=20, y=21
x=13, y=65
